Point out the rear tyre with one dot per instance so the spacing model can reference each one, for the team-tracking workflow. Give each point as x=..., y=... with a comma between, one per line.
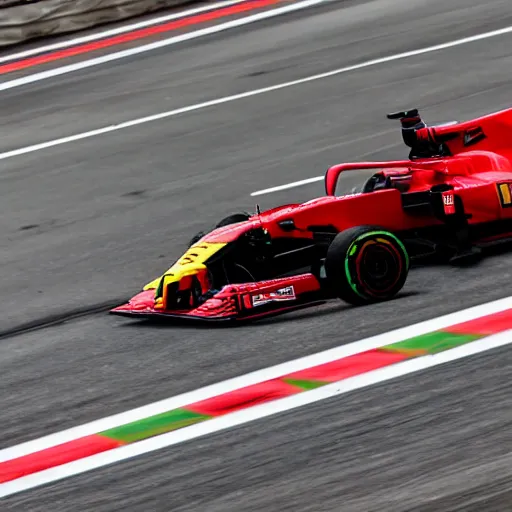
x=366, y=264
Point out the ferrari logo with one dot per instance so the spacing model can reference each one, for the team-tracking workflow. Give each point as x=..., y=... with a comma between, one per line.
x=505, y=193
x=448, y=200
x=449, y=203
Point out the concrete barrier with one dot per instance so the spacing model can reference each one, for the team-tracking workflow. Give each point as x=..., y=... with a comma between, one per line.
x=24, y=20
x=11, y=3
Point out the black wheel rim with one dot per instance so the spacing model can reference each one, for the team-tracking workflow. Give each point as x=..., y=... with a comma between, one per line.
x=378, y=267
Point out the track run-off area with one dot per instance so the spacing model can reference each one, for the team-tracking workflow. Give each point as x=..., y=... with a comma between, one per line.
x=109, y=168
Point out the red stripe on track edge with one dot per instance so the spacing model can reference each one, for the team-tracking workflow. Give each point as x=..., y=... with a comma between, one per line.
x=56, y=456
x=135, y=35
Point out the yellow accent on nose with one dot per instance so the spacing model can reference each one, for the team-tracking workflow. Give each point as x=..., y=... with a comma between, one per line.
x=190, y=263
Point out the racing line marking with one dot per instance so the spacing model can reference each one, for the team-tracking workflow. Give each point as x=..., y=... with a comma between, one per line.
x=240, y=7
x=116, y=31
x=246, y=20
x=294, y=184
x=276, y=389
x=225, y=99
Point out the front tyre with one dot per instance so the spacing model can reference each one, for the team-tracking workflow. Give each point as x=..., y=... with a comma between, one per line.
x=366, y=264
x=226, y=221
x=233, y=219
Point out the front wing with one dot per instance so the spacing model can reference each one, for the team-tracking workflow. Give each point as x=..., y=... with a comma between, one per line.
x=247, y=301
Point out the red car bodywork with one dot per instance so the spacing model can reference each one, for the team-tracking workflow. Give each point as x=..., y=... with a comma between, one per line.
x=477, y=174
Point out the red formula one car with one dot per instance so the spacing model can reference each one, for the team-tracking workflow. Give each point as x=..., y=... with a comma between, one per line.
x=449, y=200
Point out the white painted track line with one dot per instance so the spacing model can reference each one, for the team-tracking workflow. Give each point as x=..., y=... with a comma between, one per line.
x=246, y=20
x=256, y=377
x=218, y=101
x=258, y=412
x=116, y=31
x=294, y=184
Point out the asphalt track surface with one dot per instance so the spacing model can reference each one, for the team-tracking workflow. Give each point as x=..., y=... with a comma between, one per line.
x=88, y=222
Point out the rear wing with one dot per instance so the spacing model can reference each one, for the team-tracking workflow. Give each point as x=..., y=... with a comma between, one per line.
x=492, y=132
x=490, y=136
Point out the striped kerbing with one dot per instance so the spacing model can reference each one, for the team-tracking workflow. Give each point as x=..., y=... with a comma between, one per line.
x=249, y=396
